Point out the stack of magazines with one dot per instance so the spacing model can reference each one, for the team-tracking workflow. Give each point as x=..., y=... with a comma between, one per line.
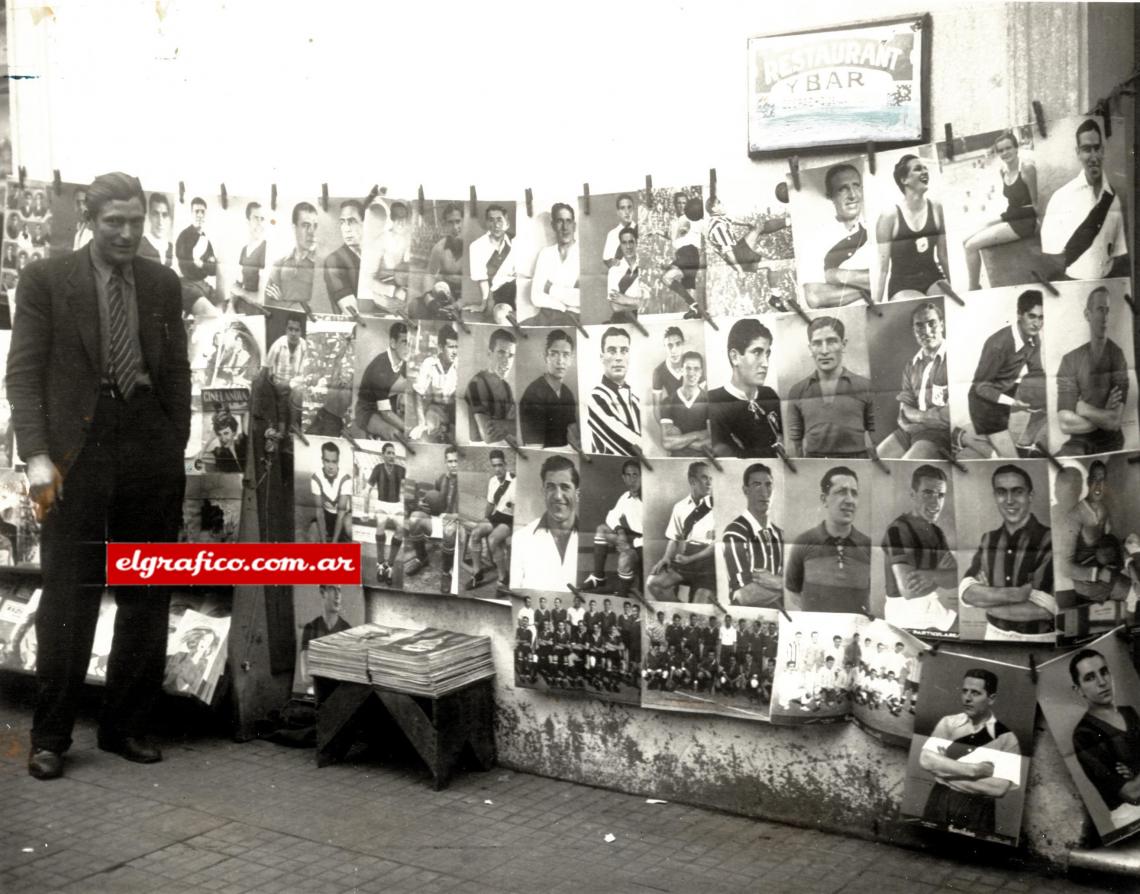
x=344, y=655
x=430, y=662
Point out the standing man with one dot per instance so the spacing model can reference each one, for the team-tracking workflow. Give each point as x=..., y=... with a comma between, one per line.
x=544, y=555
x=378, y=412
x=923, y=430
x=744, y=414
x=489, y=544
x=975, y=759
x=155, y=243
x=196, y=258
x=917, y=558
x=99, y=382
x=623, y=280
x=331, y=489
x=685, y=413
x=342, y=267
x=1083, y=232
x=445, y=266
x=626, y=515
x=554, y=291
x=614, y=416
x=493, y=267
x=490, y=400
x=691, y=537
x=548, y=410
x=291, y=279
x=1010, y=377
x=829, y=566
x=433, y=394
x=754, y=546
x=1011, y=575
x=845, y=273
x=1106, y=740
x=387, y=479
x=830, y=413
x=1092, y=386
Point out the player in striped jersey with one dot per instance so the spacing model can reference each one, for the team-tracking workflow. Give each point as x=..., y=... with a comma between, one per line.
x=754, y=546
x=388, y=480
x=614, y=414
x=743, y=254
x=332, y=490
x=1011, y=576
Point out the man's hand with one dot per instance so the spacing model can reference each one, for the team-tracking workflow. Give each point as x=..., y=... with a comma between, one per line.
x=919, y=583
x=45, y=484
x=272, y=291
x=1115, y=398
x=982, y=770
x=660, y=568
x=755, y=594
x=498, y=429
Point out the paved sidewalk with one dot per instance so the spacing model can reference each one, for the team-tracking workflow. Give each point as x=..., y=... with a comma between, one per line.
x=229, y=818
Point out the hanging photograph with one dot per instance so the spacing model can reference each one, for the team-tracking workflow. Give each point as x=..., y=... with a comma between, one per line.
x=320, y=611
x=211, y=509
x=327, y=376
x=812, y=681
x=393, y=234
x=546, y=255
x=1090, y=700
x=611, y=285
x=486, y=519
x=544, y=547
x=969, y=758
x=670, y=251
x=884, y=667
x=839, y=86
x=433, y=376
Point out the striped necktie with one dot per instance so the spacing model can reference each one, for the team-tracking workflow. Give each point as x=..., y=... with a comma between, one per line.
x=124, y=361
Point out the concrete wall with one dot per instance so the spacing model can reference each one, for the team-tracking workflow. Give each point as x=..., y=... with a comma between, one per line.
x=356, y=94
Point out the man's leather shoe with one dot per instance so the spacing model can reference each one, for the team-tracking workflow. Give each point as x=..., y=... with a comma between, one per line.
x=44, y=764
x=138, y=750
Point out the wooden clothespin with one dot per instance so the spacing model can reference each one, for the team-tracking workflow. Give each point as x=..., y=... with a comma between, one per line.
x=949, y=142
x=324, y=197
x=1104, y=110
x=707, y=318
x=877, y=460
x=934, y=647
x=308, y=311
x=1045, y=284
x=57, y=181
x=273, y=197
x=586, y=199
x=296, y=432
x=529, y=195
x=637, y=324
x=578, y=325
x=1056, y=463
x=1133, y=460
x=800, y=312
x=1033, y=668
x=181, y=189
x=874, y=308
x=514, y=323
x=784, y=612
x=1039, y=116
x=582, y=454
x=794, y=169
x=712, y=183
x=955, y=462
x=403, y=439
x=357, y=318
x=347, y=435
x=372, y=194
x=514, y=445
x=474, y=202
x=871, y=157
x=224, y=197
x=460, y=322
x=640, y=457
x=420, y=199
x=1124, y=632
x=948, y=290
x=711, y=457
x=783, y=454
x=649, y=187
x=1130, y=302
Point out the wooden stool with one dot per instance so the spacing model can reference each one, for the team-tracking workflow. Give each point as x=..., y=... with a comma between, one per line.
x=440, y=729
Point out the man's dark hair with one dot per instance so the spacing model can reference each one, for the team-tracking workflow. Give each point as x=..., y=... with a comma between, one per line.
x=692, y=355
x=223, y=421
x=396, y=330
x=673, y=332
x=825, y=322
x=355, y=204
x=115, y=186
x=495, y=206
x=833, y=172
x=302, y=208
x=1007, y=135
x=1095, y=291
x=558, y=335
x=745, y=331
x=397, y=205
x=198, y=200
x=1029, y=299
x=250, y=208
x=928, y=305
x=621, y=197
x=902, y=166
x=558, y=463
x=330, y=447
x=632, y=230
x=501, y=335
x=754, y=469
x=1093, y=466
x=833, y=473
x=451, y=450
x=1011, y=469
x=558, y=206
x=452, y=206
x=496, y=454
x=1087, y=125
x=694, y=211
x=156, y=198
x=926, y=471
x=615, y=332
x=1082, y=655
x=989, y=678
x=695, y=469
x=446, y=333
x=630, y=462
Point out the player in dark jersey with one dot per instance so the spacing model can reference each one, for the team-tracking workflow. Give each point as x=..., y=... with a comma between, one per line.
x=379, y=411
x=744, y=414
x=387, y=479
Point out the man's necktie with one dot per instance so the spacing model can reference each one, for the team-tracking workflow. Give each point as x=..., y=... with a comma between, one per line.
x=124, y=356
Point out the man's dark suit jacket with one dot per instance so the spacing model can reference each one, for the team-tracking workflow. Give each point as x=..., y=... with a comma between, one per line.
x=55, y=361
